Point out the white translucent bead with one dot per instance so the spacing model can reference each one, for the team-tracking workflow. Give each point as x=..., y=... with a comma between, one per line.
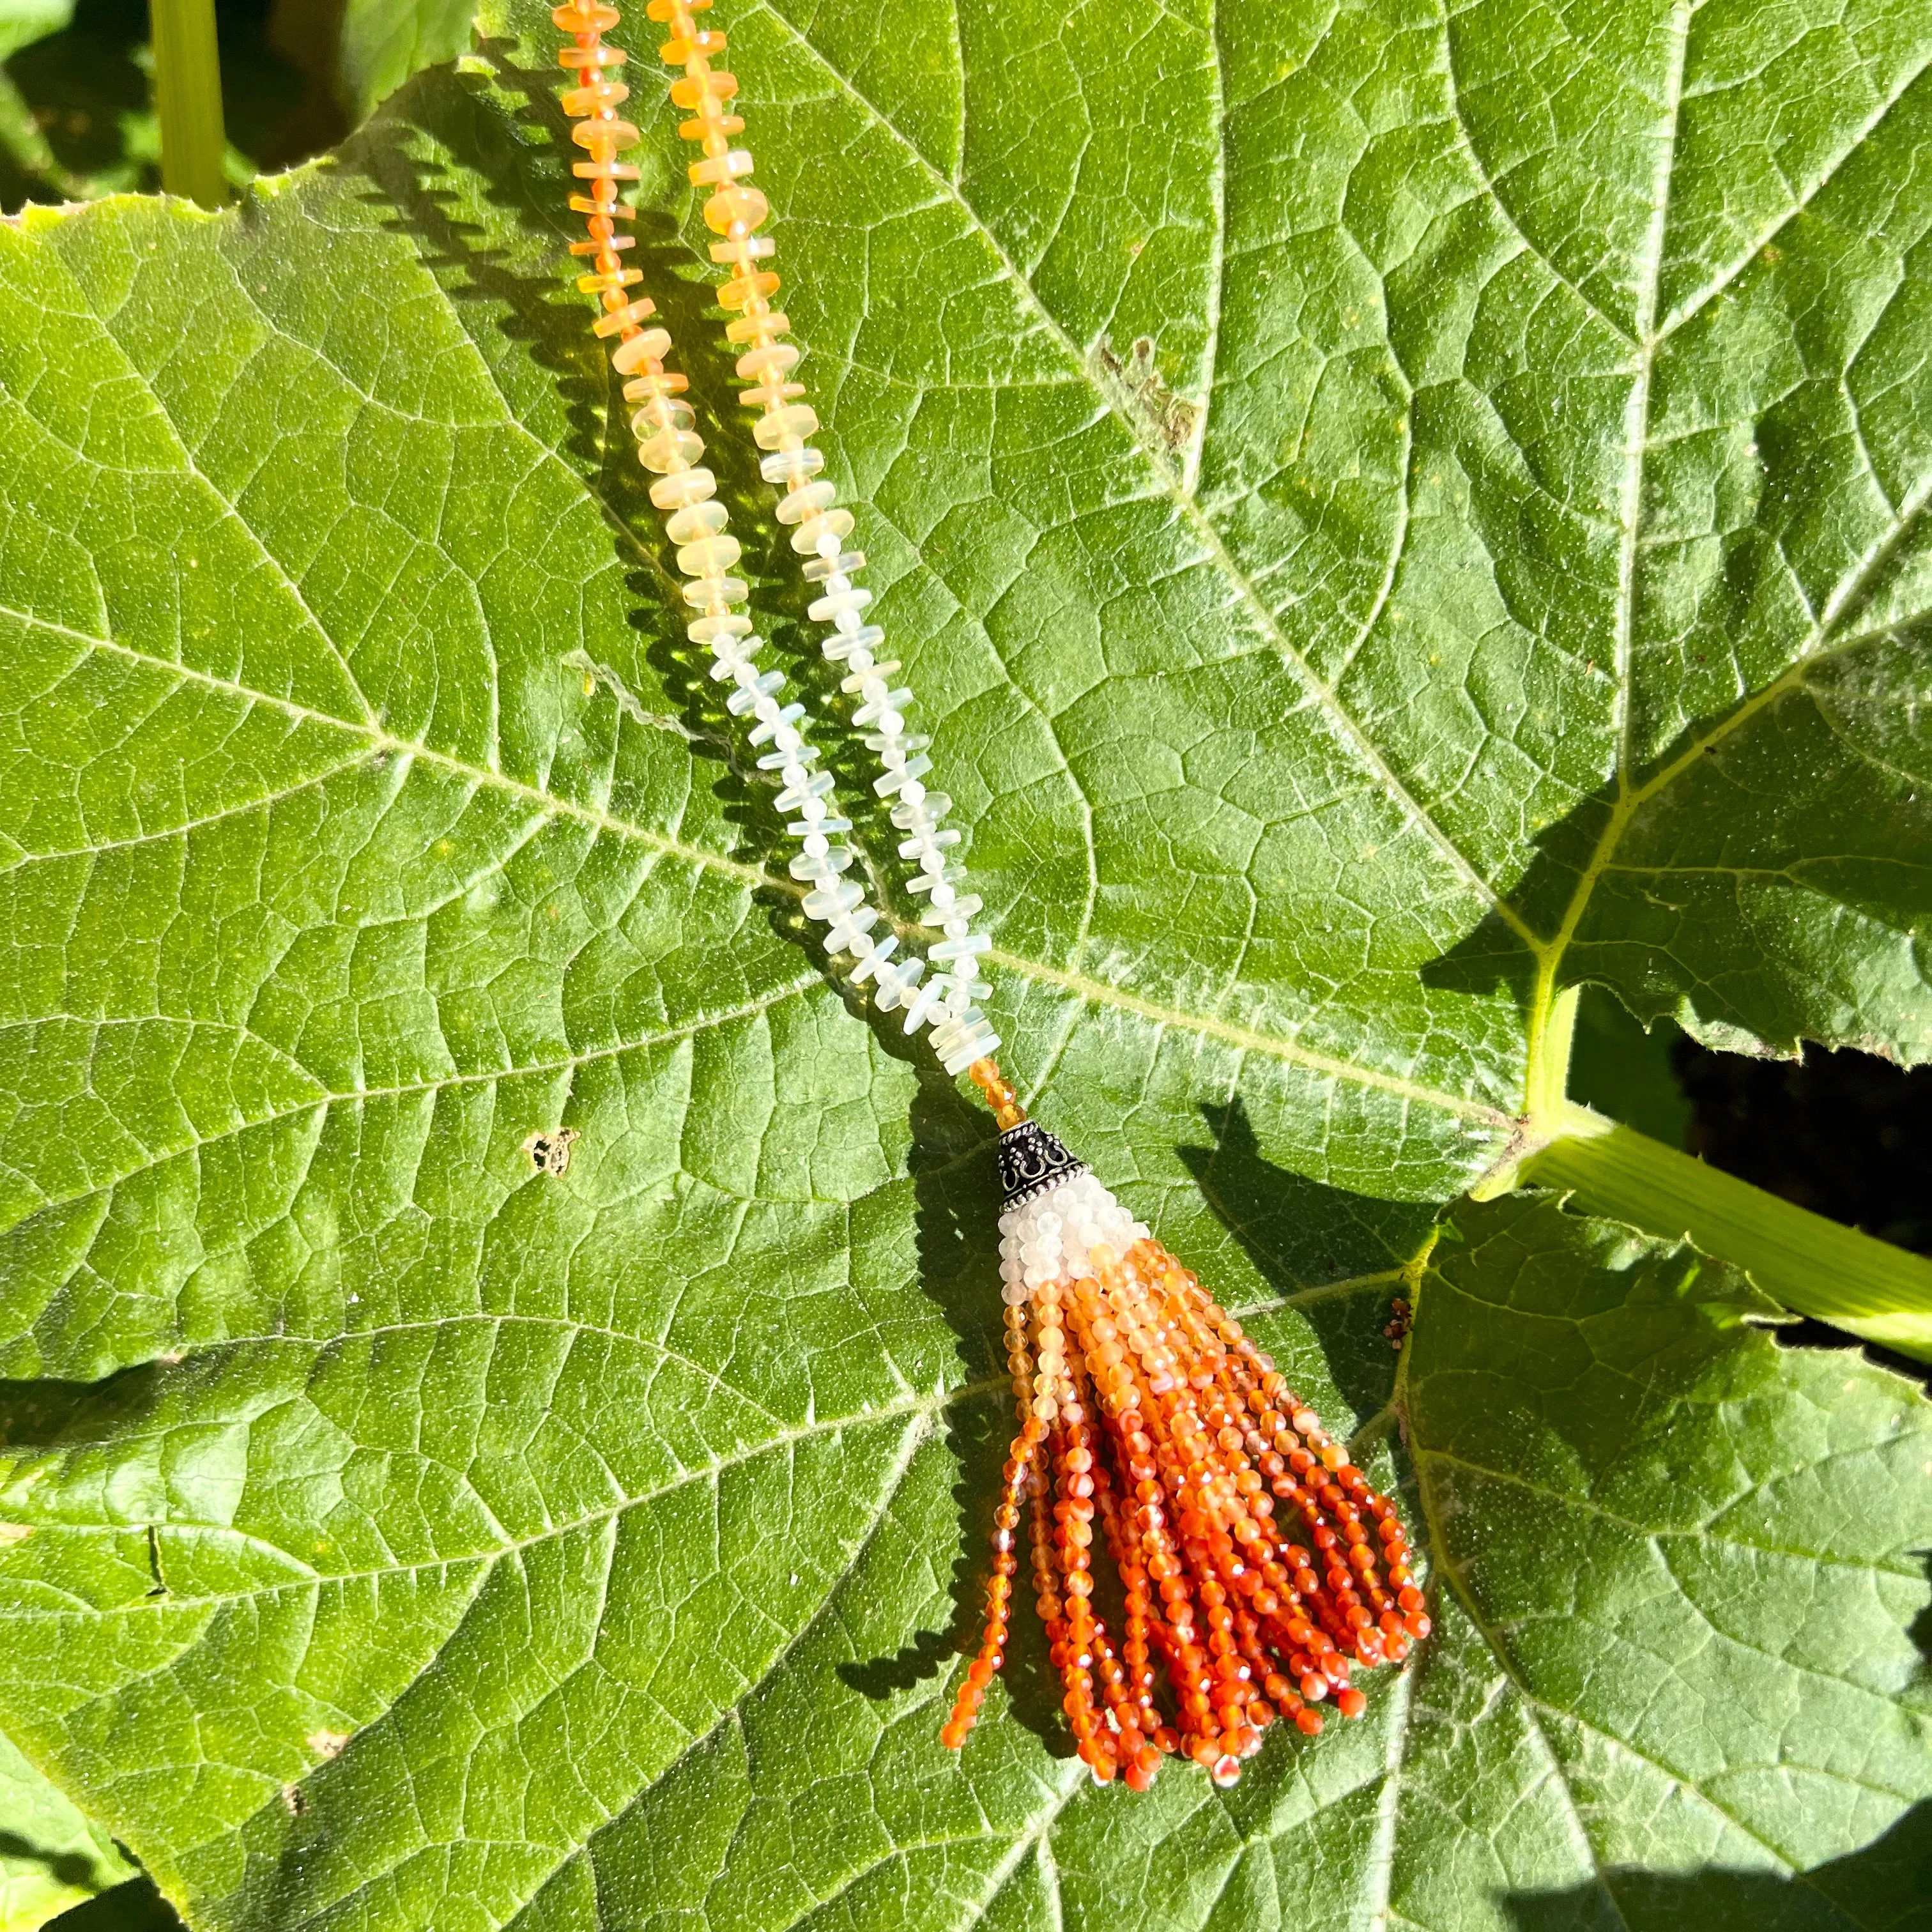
x=684, y=487
x=795, y=506
x=963, y=1038
x=895, y=982
x=775, y=720
x=830, y=901
x=854, y=597
x=752, y=688
x=795, y=419
x=926, y=1005
x=812, y=532
x=1015, y=1294
x=826, y=864
x=925, y=840
x=696, y=521
x=929, y=809
x=797, y=791
x=974, y=943
x=769, y=358
x=851, y=933
x=874, y=707
x=800, y=828
x=782, y=465
x=704, y=592
x=875, y=961
x=896, y=777
x=841, y=645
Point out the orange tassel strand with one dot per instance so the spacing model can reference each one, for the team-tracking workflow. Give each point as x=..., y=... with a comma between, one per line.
x=1256, y=1566
x=1159, y=1449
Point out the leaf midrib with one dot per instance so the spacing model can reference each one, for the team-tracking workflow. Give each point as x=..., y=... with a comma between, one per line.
x=1095, y=992
x=1341, y=721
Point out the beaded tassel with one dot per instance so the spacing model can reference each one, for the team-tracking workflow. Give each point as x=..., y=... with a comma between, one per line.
x=734, y=211
x=1255, y=1566
x=669, y=446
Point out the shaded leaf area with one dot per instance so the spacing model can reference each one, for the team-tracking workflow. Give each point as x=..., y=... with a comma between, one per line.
x=1772, y=1122
x=76, y=107
x=51, y=1855
x=419, y=1537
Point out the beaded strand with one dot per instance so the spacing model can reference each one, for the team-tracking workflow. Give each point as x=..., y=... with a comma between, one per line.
x=669, y=447
x=734, y=211
x=1256, y=1565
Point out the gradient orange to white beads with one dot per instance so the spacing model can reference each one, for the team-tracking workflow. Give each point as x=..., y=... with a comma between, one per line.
x=669, y=446
x=734, y=211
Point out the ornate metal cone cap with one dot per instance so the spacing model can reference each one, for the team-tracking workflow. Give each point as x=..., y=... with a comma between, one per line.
x=1032, y=1160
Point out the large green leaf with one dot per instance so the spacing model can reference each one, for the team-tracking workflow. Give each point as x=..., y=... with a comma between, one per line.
x=1503, y=564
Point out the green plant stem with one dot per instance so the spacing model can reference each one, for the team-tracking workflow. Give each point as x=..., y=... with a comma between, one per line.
x=187, y=99
x=1881, y=1293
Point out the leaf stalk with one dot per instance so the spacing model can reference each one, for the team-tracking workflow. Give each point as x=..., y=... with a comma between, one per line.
x=1878, y=1292
x=188, y=100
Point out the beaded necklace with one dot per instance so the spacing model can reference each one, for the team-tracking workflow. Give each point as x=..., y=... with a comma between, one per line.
x=1255, y=1564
